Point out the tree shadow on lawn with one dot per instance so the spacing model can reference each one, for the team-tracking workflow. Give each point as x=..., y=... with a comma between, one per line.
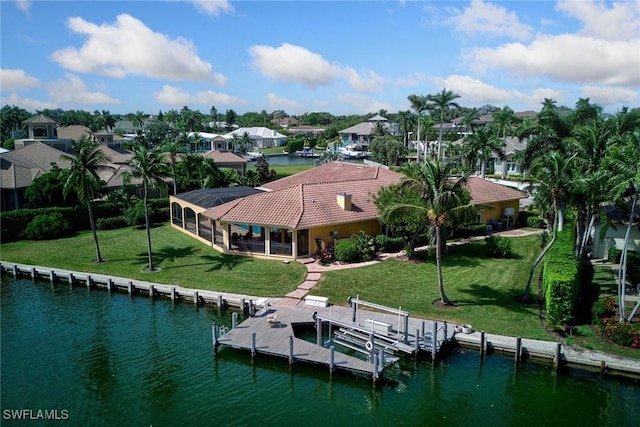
x=485, y=295
x=169, y=253
x=217, y=262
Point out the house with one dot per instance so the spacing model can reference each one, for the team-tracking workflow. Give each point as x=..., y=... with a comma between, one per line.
x=260, y=136
x=285, y=122
x=512, y=163
x=44, y=129
x=503, y=203
x=361, y=134
x=205, y=141
x=23, y=165
x=76, y=132
x=290, y=216
x=306, y=129
x=615, y=233
x=227, y=160
x=294, y=216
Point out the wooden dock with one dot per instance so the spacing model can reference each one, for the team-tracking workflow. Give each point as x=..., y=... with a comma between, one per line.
x=261, y=336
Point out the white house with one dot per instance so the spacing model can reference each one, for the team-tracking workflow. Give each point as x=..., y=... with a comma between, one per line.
x=262, y=137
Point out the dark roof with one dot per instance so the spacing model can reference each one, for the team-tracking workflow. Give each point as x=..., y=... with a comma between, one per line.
x=216, y=196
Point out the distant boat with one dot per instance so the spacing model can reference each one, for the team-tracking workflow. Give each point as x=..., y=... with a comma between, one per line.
x=348, y=152
x=253, y=155
x=307, y=152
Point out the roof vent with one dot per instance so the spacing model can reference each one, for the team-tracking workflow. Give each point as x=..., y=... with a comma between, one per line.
x=344, y=201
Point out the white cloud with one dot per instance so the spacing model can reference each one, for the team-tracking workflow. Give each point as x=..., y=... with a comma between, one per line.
x=566, y=57
x=172, y=96
x=27, y=103
x=481, y=18
x=290, y=63
x=621, y=21
x=367, y=81
x=413, y=79
x=363, y=104
x=275, y=102
x=608, y=96
x=72, y=90
x=24, y=5
x=11, y=79
x=475, y=91
x=128, y=47
x=213, y=7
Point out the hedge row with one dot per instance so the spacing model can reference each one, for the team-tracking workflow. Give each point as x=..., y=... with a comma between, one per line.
x=14, y=223
x=561, y=280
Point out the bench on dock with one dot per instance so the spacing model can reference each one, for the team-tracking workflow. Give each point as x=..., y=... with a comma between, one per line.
x=316, y=300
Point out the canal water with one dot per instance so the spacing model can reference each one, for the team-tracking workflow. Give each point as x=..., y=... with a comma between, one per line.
x=108, y=360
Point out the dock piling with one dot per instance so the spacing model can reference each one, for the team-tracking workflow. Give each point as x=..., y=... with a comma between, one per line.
x=173, y=294
x=195, y=298
x=556, y=357
x=234, y=320
x=70, y=279
x=130, y=287
x=332, y=358
x=375, y=367
x=33, y=273
x=52, y=276
x=151, y=291
x=372, y=350
x=318, y=331
x=88, y=281
x=253, y=344
x=518, y=350
x=418, y=341
x=291, y=349
x=483, y=345
x=406, y=329
x=434, y=339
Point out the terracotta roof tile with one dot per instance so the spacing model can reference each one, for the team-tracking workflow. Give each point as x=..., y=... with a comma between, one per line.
x=484, y=191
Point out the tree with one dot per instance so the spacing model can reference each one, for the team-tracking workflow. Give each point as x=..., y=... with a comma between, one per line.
x=137, y=119
x=408, y=227
x=480, y=145
x=172, y=149
x=624, y=160
x=262, y=168
x=419, y=104
x=443, y=101
x=230, y=117
x=148, y=166
x=84, y=179
x=48, y=189
x=387, y=150
x=443, y=201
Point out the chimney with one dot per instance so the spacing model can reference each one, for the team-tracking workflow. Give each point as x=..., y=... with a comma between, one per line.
x=344, y=201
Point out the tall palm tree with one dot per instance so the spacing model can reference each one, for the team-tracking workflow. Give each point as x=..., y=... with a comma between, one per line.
x=624, y=160
x=443, y=101
x=481, y=144
x=553, y=173
x=148, y=166
x=445, y=199
x=137, y=120
x=419, y=104
x=172, y=149
x=84, y=179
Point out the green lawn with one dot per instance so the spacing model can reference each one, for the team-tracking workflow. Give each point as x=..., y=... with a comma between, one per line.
x=483, y=288
x=287, y=170
x=183, y=261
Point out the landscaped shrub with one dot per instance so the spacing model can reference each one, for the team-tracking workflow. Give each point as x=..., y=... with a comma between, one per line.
x=111, y=223
x=561, y=278
x=625, y=334
x=535, y=222
x=469, y=230
x=603, y=308
x=365, y=245
x=633, y=267
x=389, y=244
x=346, y=250
x=614, y=255
x=498, y=246
x=44, y=227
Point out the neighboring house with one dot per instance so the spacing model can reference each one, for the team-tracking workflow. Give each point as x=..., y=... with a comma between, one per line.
x=21, y=166
x=296, y=215
x=614, y=236
x=208, y=141
x=306, y=129
x=511, y=165
x=76, y=132
x=504, y=202
x=286, y=122
x=126, y=126
x=260, y=136
x=228, y=160
x=44, y=129
x=361, y=134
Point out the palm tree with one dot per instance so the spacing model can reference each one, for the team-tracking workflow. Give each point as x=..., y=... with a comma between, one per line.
x=419, y=104
x=172, y=150
x=442, y=102
x=137, y=120
x=481, y=144
x=148, y=166
x=553, y=174
x=444, y=198
x=379, y=130
x=84, y=179
x=624, y=160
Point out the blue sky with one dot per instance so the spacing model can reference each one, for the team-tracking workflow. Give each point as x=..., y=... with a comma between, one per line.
x=344, y=57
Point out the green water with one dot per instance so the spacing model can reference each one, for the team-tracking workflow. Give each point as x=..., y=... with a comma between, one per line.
x=112, y=360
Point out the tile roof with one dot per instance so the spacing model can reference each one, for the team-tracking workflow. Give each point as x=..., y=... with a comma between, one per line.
x=22, y=165
x=485, y=192
x=224, y=157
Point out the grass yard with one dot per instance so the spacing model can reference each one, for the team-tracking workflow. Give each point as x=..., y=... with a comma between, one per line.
x=287, y=170
x=183, y=261
x=482, y=287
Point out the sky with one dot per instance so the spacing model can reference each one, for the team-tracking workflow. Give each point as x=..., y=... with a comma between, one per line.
x=342, y=57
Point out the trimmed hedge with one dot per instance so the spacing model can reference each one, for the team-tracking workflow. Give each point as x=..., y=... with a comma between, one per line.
x=389, y=244
x=469, y=230
x=561, y=280
x=49, y=226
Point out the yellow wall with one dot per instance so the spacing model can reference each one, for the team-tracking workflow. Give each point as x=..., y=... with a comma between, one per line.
x=497, y=213
x=371, y=227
